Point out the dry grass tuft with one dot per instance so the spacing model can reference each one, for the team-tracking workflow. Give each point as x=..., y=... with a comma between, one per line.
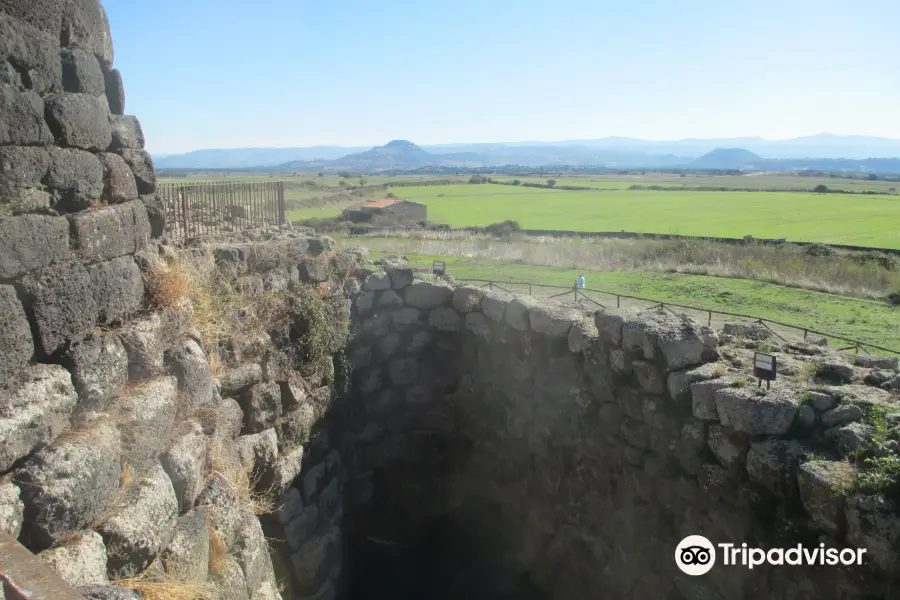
x=222, y=311
x=167, y=285
x=126, y=479
x=218, y=553
x=244, y=484
x=155, y=584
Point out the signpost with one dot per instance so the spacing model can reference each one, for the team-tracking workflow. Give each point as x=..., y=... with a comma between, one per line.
x=765, y=367
x=438, y=268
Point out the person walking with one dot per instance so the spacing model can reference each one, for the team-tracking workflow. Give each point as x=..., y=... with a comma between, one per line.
x=580, y=283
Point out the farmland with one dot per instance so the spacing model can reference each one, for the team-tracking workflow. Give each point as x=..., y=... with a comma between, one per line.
x=803, y=217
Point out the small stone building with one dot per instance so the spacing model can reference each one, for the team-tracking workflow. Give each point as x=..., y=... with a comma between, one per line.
x=406, y=210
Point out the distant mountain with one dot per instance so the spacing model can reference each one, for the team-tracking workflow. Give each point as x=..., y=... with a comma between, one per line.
x=239, y=158
x=728, y=158
x=613, y=152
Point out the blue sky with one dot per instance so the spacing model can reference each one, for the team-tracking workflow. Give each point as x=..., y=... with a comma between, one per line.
x=229, y=73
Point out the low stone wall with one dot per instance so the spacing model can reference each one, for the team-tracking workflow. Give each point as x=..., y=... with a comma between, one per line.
x=591, y=445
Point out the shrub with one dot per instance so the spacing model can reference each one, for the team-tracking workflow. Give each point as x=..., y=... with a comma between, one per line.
x=878, y=258
x=820, y=250
x=503, y=228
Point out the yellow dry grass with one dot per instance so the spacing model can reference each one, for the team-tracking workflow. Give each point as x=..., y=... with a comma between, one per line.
x=167, y=285
x=155, y=584
x=218, y=553
x=244, y=484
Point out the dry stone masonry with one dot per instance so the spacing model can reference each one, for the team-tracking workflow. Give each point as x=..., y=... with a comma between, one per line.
x=577, y=450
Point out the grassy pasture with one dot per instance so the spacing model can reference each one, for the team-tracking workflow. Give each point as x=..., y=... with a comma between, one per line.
x=754, y=181
x=872, y=322
x=839, y=219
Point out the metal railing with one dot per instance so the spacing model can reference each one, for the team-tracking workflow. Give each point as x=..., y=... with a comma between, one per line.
x=579, y=295
x=199, y=209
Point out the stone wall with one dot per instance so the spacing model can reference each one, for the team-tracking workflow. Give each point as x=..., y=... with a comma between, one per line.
x=139, y=452
x=588, y=446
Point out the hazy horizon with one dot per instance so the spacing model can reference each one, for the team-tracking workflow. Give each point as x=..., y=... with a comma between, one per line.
x=287, y=73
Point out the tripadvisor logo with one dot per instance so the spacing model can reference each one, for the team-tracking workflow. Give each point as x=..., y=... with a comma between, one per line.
x=696, y=555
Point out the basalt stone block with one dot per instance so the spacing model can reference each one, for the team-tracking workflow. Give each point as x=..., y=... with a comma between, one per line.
x=237, y=379
x=184, y=463
x=554, y=321
x=258, y=451
x=84, y=24
x=313, y=270
x=108, y=592
x=23, y=166
x=143, y=527
x=703, y=398
x=118, y=181
x=261, y=405
x=773, y=464
x=187, y=556
x=426, y=295
x=518, y=312
x=188, y=363
x=75, y=177
x=80, y=560
x=126, y=133
x=12, y=510
x=581, y=334
x=313, y=561
x=69, y=485
x=477, y=323
x=146, y=338
x=144, y=413
x=63, y=304
x=467, y=299
x=445, y=319
x=22, y=118
x=743, y=409
x=295, y=426
x=823, y=486
x=679, y=382
x=377, y=282
x=16, y=345
x=36, y=412
x=32, y=56
x=109, y=233
x=99, y=367
x=31, y=242
x=118, y=289
x=81, y=72
x=142, y=166
x=223, y=507
x=115, y=92
x=873, y=524
x=79, y=120
x=155, y=214
x=400, y=278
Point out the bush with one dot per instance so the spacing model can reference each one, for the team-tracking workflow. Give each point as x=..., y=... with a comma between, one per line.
x=820, y=250
x=503, y=228
x=879, y=258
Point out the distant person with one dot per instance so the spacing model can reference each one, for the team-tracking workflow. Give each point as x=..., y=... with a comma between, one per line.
x=580, y=283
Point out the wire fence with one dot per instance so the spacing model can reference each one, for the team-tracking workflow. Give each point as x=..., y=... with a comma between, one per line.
x=787, y=332
x=199, y=209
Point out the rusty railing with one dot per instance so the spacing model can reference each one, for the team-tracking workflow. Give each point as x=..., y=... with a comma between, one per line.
x=200, y=209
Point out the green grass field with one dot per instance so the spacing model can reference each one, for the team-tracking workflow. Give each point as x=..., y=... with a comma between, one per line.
x=839, y=219
x=873, y=322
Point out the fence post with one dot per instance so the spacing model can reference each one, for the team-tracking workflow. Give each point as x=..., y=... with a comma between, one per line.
x=490, y=285
x=618, y=301
x=709, y=323
x=529, y=289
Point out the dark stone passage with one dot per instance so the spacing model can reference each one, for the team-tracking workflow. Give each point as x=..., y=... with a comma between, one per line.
x=451, y=557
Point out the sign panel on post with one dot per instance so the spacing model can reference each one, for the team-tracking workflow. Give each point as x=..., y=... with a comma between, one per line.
x=765, y=368
x=438, y=268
